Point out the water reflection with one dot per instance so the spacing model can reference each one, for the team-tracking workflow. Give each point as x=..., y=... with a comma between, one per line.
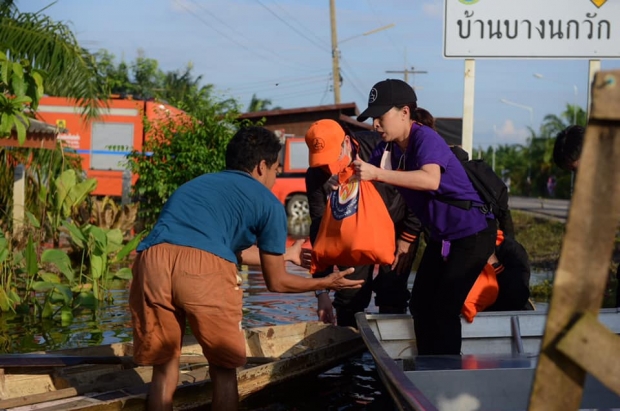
x=262, y=307
x=299, y=227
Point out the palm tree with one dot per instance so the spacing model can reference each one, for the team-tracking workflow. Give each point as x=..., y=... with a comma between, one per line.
x=257, y=104
x=52, y=47
x=553, y=124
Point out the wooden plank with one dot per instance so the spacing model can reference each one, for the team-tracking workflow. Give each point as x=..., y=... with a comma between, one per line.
x=586, y=249
x=124, y=380
x=591, y=345
x=53, y=360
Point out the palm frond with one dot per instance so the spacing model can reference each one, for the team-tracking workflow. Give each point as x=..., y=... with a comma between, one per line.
x=52, y=47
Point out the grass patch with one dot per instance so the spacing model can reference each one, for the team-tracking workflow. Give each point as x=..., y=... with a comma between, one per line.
x=541, y=238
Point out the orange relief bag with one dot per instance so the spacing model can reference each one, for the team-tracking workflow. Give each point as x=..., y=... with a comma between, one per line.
x=356, y=228
x=482, y=295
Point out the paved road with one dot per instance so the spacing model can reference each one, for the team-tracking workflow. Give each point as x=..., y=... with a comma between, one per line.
x=551, y=208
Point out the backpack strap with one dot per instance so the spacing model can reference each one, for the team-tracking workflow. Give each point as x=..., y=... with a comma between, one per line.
x=465, y=204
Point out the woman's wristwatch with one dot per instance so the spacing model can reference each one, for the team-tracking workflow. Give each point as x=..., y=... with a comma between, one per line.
x=319, y=292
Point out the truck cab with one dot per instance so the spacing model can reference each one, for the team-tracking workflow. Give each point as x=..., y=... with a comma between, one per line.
x=290, y=186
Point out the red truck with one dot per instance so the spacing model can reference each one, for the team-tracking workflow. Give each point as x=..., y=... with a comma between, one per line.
x=121, y=125
x=290, y=186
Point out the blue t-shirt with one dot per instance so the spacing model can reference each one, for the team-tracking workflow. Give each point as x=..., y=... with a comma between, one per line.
x=222, y=213
x=445, y=222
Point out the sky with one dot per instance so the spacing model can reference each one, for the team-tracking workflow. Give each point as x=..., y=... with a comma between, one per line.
x=281, y=50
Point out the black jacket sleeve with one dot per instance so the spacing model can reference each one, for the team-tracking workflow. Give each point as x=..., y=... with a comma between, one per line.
x=317, y=198
x=504, y=220
x=411, y=227
x=317, y=190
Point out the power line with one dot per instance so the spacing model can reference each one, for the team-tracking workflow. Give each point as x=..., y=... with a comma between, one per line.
x=280, y=58
x=321, y=46
x=406, y=72
x=278, y=82
x=353, y=79
x=298, y=23
x=375, y=13
x=280, y=86
x=229, y=38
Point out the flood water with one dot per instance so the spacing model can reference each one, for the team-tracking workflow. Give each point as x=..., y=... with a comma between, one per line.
x=353, y=385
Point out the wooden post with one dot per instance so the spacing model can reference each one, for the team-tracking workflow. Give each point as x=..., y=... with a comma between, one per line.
x=19, y=199
x=594, y=66
x=583, y=270
x=468, y=106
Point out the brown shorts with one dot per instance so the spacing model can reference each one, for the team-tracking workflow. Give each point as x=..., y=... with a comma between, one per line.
x=173, y=283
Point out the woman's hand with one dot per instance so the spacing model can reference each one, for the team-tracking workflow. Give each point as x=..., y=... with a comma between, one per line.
x=404, y=256
x=364, y=170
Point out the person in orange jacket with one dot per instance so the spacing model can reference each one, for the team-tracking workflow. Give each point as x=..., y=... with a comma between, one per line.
x=332, y=147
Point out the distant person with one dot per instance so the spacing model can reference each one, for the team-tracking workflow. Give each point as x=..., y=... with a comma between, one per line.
x=566, y=155
x=567, y=147
x=420, y=164
x=186, y=268
x=332, y=148
x=551, y=186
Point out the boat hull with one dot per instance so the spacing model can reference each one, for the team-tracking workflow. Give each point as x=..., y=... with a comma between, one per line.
x=495, y=370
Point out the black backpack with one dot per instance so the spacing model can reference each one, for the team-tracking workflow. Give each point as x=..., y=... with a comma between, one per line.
x=490, y=188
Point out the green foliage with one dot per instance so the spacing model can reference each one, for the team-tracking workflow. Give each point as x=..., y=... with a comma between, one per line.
x=542, y=291
x=143, y=79
x=47, y=283
x=178, y=149
x=257, y=104
x=68, y=193
x=43, y=166
x=50, y=46
x=21, y=87
x=530, y=165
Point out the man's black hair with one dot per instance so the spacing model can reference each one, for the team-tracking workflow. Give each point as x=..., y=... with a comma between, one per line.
x=567, y=147
x=249, y=146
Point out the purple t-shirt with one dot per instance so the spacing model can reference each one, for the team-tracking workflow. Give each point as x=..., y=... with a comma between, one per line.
x=446, y=222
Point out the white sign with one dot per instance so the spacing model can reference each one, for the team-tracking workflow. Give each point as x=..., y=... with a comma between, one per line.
x=70, y=140
x=532, y=29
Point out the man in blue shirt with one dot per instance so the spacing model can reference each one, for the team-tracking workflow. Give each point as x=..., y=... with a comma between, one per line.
x=186, y=269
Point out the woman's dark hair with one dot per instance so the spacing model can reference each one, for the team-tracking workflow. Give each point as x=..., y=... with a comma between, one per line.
x=420, y=115
x=567, y=146
x=249, y=146
x=423, y=116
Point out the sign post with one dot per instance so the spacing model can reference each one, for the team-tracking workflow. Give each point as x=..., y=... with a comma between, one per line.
x=550, y=29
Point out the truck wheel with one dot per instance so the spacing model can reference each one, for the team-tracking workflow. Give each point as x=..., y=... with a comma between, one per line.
x=297, y=206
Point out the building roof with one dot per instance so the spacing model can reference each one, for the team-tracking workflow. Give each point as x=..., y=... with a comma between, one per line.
x=348, y=109
x=38, y=135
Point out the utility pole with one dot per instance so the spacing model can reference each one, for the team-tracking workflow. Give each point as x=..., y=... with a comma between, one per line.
x=406, y=72
x=335, y=52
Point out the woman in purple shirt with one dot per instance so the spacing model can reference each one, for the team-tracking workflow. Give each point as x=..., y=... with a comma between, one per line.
x=415, y=159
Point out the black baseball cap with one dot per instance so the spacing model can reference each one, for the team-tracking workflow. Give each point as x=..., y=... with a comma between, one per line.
x=387, y=94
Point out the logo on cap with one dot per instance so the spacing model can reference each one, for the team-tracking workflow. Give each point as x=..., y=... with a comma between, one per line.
x=318, y=144
x=372, y=96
